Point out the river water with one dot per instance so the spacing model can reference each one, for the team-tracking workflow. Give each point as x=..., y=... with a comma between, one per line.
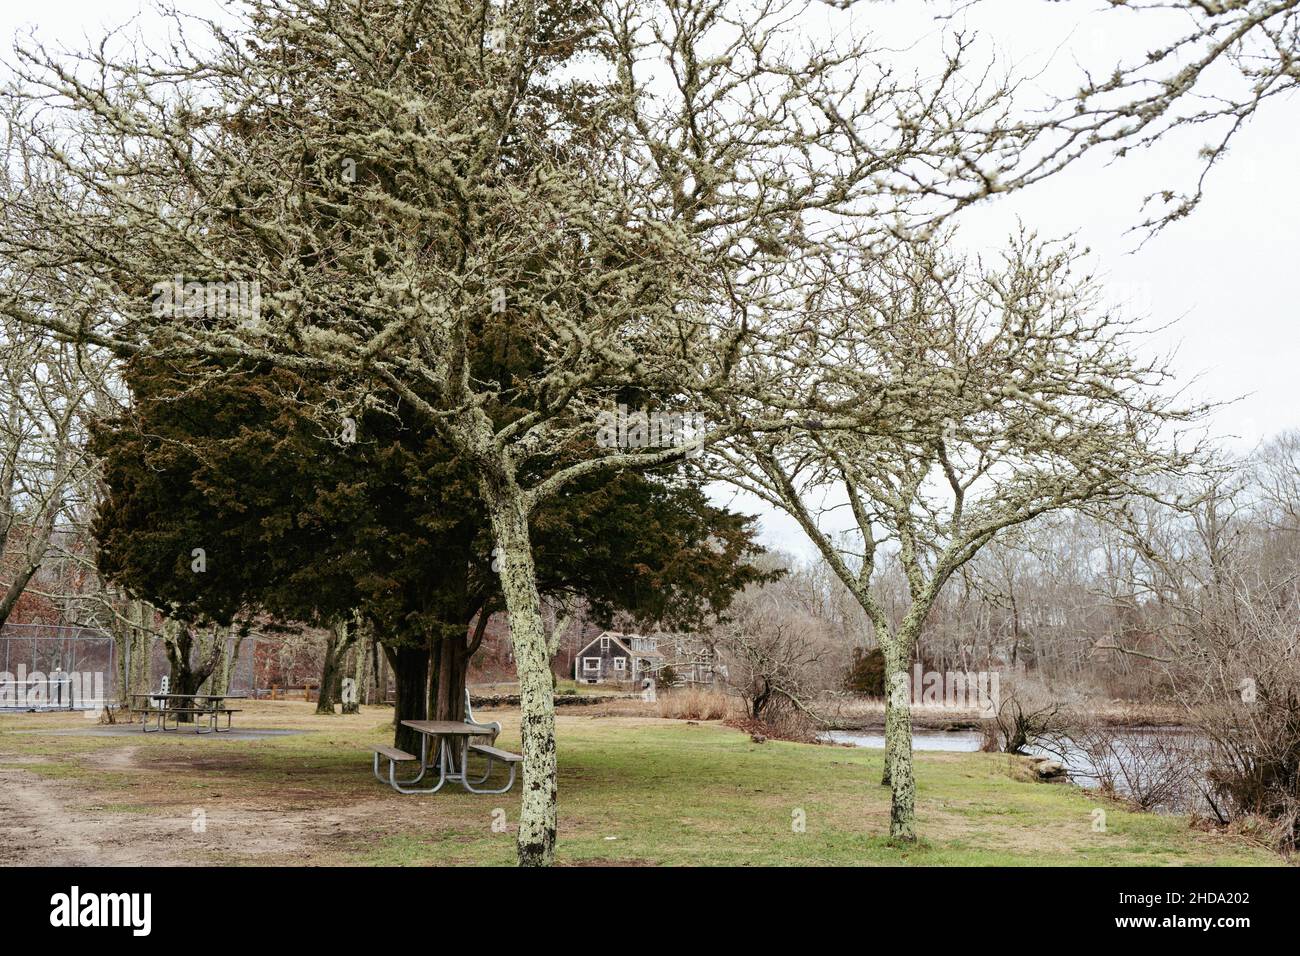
x=1131, y=747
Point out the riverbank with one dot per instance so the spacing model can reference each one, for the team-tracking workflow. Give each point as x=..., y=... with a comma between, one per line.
x=633, y=790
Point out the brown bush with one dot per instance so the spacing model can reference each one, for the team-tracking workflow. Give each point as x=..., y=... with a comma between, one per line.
x=694, y=703
x=1154, y=769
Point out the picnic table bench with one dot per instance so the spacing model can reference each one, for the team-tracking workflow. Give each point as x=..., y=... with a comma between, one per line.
x=444, y=731
x=206, y=708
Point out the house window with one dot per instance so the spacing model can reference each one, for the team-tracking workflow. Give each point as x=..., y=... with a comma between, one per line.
x=620, y=663
x=591, y=664
x=604, y=644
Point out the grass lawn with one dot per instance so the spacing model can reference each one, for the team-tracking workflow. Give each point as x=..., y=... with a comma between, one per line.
x=635, y=790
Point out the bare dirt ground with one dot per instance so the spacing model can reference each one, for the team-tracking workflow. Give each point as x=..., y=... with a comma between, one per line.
x=185, y=804
x=38, y=825
x=45, y=821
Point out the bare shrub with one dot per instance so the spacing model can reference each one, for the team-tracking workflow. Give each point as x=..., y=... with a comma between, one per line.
x=1224, y=568
x=1152, y=769
x=1253, y=732
x=771, y=653
x=1025, y=718
x=787, y=725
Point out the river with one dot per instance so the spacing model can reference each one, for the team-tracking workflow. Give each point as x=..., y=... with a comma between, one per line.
x=1141, y=756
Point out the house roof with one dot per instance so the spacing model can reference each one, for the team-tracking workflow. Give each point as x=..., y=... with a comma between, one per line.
x=621, y=640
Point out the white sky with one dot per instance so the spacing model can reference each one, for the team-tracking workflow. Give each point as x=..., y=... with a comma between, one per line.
x=1225, y=277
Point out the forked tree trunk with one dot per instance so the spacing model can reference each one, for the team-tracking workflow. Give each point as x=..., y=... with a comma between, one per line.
x=537, y=815
x=186, y=678
x=340, y=639
x=357, y=666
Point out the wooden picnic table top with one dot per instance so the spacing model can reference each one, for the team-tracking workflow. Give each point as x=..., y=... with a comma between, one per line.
x=446, y=727
x=195, y=696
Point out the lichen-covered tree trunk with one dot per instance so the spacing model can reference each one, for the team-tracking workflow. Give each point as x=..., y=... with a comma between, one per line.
x=132, y=637
x=142, y=656
x=229, y=660
x=537, y=814
x=357, y=665
x=898, y=738
x=884, y=773
x=337, y=644
x=883, y=638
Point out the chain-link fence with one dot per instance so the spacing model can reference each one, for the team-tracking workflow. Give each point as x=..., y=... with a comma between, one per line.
x=56, y=667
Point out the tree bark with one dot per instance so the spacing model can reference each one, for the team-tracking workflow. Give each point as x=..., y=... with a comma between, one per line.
x=131, y=634
x=884, y=773
x=450, y=664
x=357, y=665
x=329, y=673
x=142, y=657
x=229, y=660
x=410, y=664
x=537, y=816
x=185, y=677
x=898, y=739
x=337, y=645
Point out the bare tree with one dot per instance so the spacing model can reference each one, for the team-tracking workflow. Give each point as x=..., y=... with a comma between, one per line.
x=46, y=401
x=775, y=654
x=1026, y=400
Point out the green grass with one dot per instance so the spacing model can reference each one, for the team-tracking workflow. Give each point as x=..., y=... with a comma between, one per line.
x=635, y=790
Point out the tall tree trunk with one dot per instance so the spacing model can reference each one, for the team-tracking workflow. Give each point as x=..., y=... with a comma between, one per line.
x=337, y=644
x=447, y=691
x=328, y=675
x=142, y=652
x=410, y=664
x=382, y=670
x=229, y=661
x=884, y=773
x=448, y=663
x=898, y=737
x=131, y=637
x=357, y=664
x=537, y=815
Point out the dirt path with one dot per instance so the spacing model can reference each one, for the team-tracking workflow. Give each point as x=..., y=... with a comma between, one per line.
x=53, y=821
x=37, y=826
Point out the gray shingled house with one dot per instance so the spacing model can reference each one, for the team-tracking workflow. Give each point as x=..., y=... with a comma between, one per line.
x=614, y=657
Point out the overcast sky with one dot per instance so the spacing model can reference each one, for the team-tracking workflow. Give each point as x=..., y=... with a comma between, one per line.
x=1225, y=278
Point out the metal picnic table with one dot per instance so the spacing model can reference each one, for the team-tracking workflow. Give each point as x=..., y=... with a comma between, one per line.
x=445, y=730
x=200, y=705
